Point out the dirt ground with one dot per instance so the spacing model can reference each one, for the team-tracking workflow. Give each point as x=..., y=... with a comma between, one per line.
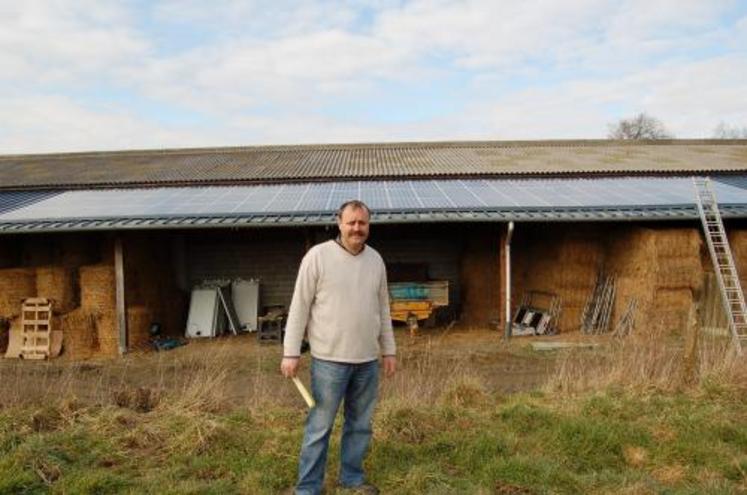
x=248, y=372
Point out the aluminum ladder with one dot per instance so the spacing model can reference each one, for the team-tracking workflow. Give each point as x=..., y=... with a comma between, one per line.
x=723, y=261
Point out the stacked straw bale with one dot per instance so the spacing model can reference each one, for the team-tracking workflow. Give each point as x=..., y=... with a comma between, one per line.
x=107, y=333
x=679, y=278
x=57, y=283
x=738, y=242
x=579, y=260
x=662, y=269
x=79, y=334
x=567, y=266
x=97, y=288
x=631, y=255
x=16, y=284
x=98, y=298
x=15, y=327
x=139, y=320
x=4, y=336
x=669, y=311
x=678, y=257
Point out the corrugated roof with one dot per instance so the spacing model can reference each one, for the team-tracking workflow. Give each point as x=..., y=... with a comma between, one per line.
x=369, y=161
x=464, y=200
x=681, y=212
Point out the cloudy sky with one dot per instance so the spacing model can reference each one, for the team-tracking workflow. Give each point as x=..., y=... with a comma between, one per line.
x=94, y=74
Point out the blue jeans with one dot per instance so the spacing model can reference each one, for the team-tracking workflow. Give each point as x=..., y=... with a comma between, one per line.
x=331, y=382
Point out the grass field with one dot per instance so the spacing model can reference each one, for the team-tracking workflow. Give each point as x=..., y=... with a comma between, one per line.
x=466, y=413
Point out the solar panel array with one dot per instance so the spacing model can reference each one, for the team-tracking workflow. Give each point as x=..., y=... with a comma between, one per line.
x=13, y=200
x=381, y=196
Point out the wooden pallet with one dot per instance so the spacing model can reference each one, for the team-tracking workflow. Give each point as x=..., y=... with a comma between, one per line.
x=38, y=341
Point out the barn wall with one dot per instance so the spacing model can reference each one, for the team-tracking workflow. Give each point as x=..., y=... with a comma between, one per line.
x=76, y=271
x=562, y=259
x=270, y=255
x=660, y=265
x=152, y=291
x=422, y=252
x=480, y=275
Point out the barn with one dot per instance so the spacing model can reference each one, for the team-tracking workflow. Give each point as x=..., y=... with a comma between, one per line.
x=119, y=239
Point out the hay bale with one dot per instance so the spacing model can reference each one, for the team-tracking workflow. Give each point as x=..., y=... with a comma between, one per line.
x=57, y=283
x=738, y=243
x=580, y=250
x=79, y=334
x=108, y=334
x=574, y=298
x=568, y=267
x=684, y=272
x=632, y=254
x=15, y=340
x=668, y=299
x=97, y=289
x=661, y=268
x=628, y=287
x=574, y=276
x=669, y=311
x=139, y=320
x=668, y=322
x=16, y=284
x=570, y=318
x=677, y=242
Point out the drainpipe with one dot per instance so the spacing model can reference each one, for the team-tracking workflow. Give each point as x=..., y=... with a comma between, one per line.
x=507, y=271
x=120, y=294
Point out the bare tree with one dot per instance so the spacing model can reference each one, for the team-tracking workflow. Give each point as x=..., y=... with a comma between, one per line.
x=727, y=131
x=642, y=126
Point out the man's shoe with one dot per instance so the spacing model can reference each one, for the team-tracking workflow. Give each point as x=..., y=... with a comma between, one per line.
x=364, y=489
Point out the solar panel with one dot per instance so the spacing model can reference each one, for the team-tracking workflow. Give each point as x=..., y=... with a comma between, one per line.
x=381, y=196
x=13, y=200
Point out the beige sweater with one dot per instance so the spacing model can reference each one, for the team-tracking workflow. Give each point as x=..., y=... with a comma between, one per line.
x=341, y=302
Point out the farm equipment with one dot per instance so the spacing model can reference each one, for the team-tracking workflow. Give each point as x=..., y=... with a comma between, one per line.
x=537, y=314
x=411, y=302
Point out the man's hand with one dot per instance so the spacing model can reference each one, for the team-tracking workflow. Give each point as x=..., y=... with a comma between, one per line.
x=289, y=366
x=390, y=365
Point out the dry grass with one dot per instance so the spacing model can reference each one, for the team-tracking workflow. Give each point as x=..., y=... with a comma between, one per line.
x=217, y=417
x=650, y=362
x=440, y=369
x=456, y=368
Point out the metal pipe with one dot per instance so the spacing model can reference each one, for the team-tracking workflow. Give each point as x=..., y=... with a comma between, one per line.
x=121, y=305
x=507, y=271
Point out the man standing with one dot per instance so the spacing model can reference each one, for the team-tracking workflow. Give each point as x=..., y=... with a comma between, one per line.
x=341, y=302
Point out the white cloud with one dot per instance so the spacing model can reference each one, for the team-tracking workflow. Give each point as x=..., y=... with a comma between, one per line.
x=56, y=41
x=57, y=124
x=254, y=18
x=304, y=70
x=690, y=99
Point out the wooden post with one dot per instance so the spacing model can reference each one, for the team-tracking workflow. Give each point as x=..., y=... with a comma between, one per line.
x=120, y=294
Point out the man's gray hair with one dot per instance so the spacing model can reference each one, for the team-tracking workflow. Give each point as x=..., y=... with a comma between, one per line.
x=354, y=204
